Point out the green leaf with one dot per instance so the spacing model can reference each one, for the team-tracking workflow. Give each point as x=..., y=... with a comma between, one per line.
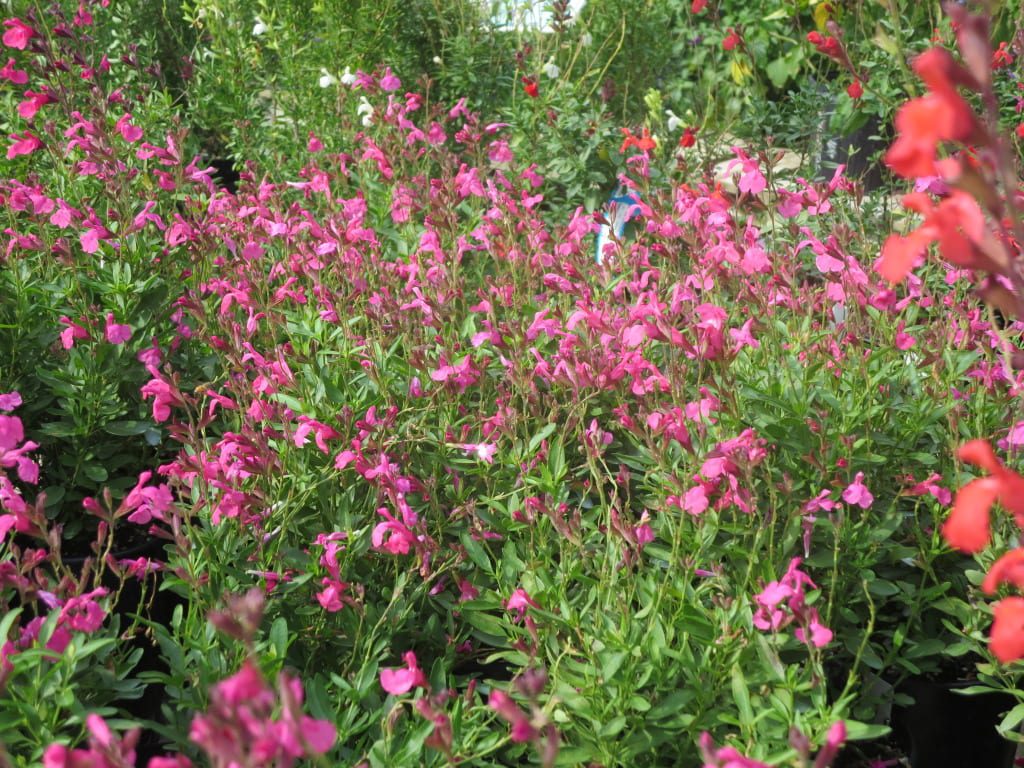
x=742, y=697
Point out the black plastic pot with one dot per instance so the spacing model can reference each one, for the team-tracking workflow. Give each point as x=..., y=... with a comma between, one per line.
x=159, y=608
x=854, y=150
x=945, y=729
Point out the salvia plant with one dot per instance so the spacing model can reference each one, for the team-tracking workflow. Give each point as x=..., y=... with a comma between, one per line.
x=406, y=450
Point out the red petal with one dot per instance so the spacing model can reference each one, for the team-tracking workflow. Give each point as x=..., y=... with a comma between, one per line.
x=980, y=454
x=1008, y=568
x=967, y=527
x=1008, y=629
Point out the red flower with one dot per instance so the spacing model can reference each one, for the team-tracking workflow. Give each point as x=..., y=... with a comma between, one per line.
x=826, y=44
x=956, y=223
x=731, y=40
x=1001, y=57
x=1008, y=629
x=644, y=142
x=941, y=115
x=967, y=527
x=855, y=90
x=697, y=6
x=689, y=137
x=1020, y=131
x=1008, y=568
x=531, y=87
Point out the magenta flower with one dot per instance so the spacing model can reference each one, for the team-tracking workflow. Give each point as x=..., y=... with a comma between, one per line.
x=482, y=451
x=117, y=333
x=130, y=133
x=400, y=681
x=857, y=493
x=389, y=82
x=72, y=332
x=12, y=75
x=18, y=34
x=33, y=103
x=25, y=143
x=82, y=613
x=522, y=729
x=519, y=601
x=9, y=401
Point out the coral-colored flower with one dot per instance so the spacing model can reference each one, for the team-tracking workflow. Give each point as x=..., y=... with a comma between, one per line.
x=967, y=527
x=1008, y=629
x=400, y=681
x=957, y=224
x=732, y=39
x=941, y=115
x=644, y=142
x=1008, y=568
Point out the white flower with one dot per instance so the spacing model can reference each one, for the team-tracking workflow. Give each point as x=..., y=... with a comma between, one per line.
x=586, y=39
x=259, y=28
x=327, y=79
x=437, y=60
x=366, y=110
x=347, y=78
x=551, y=70
x=674, y=123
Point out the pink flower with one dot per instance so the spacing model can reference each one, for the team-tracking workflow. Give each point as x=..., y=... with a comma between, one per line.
x=330, y=598
x=398, y=682
x=82, y=613
x=816, y=633
x=314, y=144
x=389, y=82
x=33, y=103
x=18, y=34
x=522, y=730
x=695, y=501
x=72, y=332
x=130, y=133
x=25, y=143
x=483, y=451
x=9, y=401
x=858, y=493
x=519, y=600
x=117, y=333
x=164, y=396
x=14, y=76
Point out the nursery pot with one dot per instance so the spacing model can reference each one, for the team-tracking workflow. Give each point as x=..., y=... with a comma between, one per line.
x=159, y=607
x=944, y=729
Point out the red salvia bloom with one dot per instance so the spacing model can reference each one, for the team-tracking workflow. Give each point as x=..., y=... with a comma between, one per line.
x=967, y=527
x=941, y=115
x=731, y=40
x=643, y=142
x=1008, y=629
x=531, y=87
